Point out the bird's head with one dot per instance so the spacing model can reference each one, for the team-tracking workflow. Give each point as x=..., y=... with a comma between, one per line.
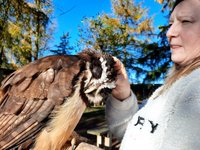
x=100, y=75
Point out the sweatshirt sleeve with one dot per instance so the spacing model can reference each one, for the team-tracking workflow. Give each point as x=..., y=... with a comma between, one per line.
x=119, y=113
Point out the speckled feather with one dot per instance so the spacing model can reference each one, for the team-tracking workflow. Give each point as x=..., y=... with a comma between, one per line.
x=30, y=96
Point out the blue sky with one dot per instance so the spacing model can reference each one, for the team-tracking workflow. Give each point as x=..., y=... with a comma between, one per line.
x=70, y=21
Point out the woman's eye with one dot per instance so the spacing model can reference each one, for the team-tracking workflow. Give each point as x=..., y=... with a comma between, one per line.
x=186, y=21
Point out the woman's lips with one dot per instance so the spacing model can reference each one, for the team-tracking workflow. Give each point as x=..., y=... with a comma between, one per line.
x=175, y=46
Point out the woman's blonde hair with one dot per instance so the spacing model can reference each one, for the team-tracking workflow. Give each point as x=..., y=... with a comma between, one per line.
x=179, y=71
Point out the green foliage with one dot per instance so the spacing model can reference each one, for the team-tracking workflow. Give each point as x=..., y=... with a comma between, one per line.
x=23, y=26
x=64, y=47
x=167, y=4
x=160, y=56
x=127, y=34
x=122, y=34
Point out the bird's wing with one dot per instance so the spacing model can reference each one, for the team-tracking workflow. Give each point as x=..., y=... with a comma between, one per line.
x=29, y=95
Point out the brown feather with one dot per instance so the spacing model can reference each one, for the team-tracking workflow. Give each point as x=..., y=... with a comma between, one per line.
x=7, y=125
x=1, y=95
x=34, y=91
x=54, y=93
x=24, y=84
x=43, y=101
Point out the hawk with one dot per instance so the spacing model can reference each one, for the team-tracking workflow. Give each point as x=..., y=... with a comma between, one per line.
x=42, y=102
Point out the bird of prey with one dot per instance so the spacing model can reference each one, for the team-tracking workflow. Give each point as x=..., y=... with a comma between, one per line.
x=42, y=102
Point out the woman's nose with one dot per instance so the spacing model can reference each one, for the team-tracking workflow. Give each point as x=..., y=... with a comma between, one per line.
x=172, y=31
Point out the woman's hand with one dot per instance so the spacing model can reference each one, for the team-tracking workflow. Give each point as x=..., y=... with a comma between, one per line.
x=122, y=90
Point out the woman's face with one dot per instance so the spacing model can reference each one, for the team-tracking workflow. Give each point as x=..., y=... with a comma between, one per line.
x=184, y=32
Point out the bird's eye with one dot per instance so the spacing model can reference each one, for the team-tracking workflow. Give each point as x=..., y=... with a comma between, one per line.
x=96, y=72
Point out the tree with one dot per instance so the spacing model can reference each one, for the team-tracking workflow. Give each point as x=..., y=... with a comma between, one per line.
x=63, y=48
x=156, y=57
x=127, y=34
x=23, y=25
x=160, y=56
x=167, y=4
x=122, y=34
x=155, y=60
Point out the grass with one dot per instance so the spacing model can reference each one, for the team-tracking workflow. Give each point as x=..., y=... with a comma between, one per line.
x=94, y=109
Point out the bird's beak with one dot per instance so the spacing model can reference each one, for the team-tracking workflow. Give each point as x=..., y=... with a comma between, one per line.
x=92, y=88
x=97, y=87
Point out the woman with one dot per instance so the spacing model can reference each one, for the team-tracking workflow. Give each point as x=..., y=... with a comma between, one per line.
x=171, y=118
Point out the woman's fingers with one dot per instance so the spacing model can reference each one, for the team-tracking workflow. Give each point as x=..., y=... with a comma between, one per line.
x=122, y=90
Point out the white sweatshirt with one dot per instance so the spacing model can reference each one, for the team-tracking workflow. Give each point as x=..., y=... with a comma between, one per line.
x=170, y=121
